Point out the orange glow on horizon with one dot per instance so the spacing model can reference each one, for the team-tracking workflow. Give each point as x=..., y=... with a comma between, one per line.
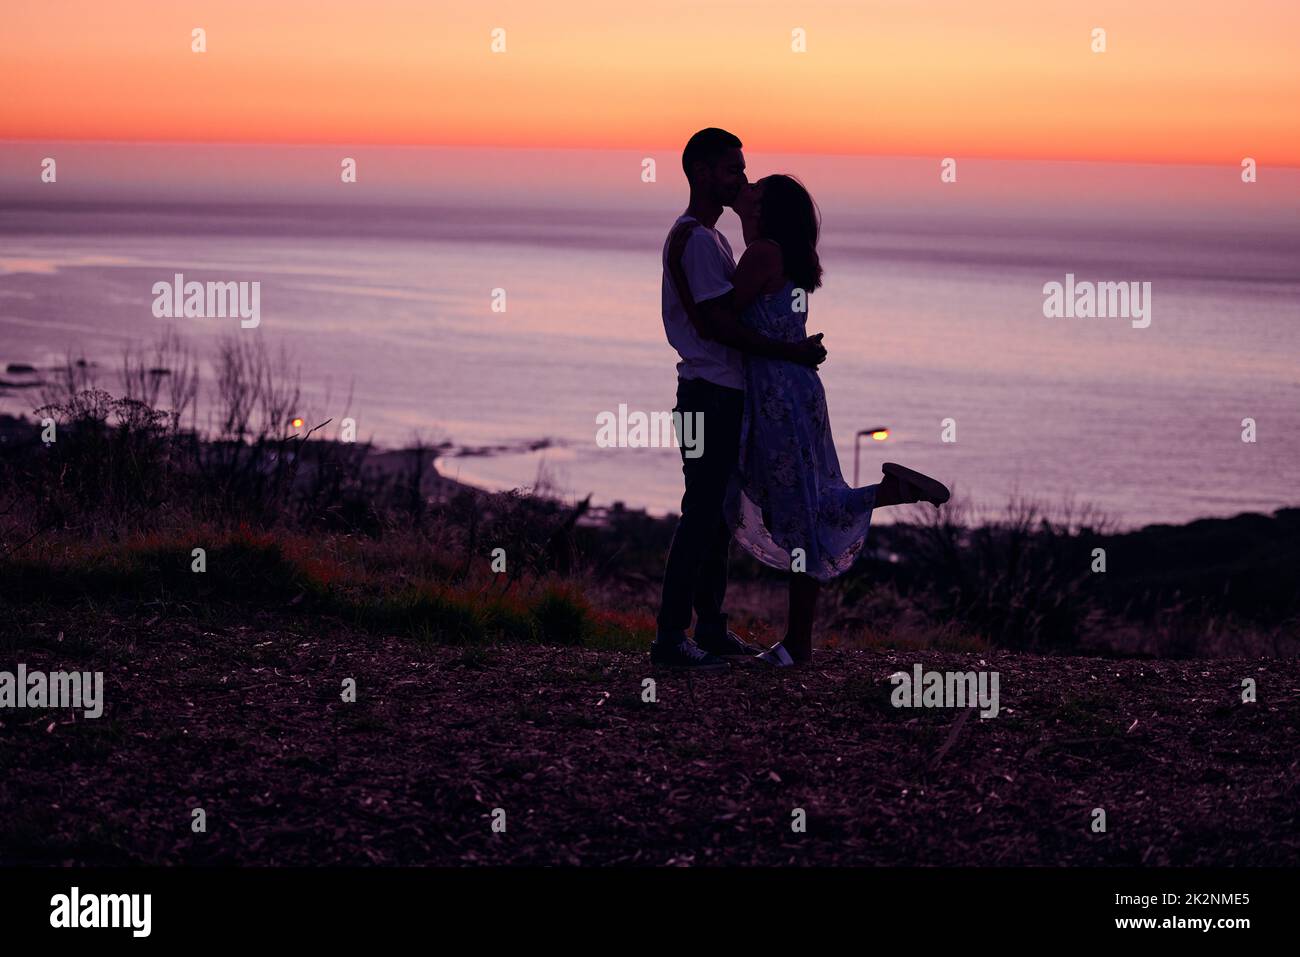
x=1180, y=82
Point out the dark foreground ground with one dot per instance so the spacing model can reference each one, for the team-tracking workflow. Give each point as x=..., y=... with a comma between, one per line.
x=247, y=723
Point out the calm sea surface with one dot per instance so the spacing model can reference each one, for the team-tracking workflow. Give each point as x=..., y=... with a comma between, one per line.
x=928, y=315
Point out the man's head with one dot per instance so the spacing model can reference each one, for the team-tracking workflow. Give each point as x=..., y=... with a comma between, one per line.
x=714, y=165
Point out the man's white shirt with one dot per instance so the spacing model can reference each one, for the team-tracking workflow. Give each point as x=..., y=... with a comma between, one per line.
x=709, y=266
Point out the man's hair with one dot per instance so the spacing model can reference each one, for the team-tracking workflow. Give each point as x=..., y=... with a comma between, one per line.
x=706, y=146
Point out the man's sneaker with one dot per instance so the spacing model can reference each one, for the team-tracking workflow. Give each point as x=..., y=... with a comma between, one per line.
x=684, y=655
x=726, y=645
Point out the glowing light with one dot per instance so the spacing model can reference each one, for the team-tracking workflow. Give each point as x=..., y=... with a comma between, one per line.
x=880, y=435
x=296, y=423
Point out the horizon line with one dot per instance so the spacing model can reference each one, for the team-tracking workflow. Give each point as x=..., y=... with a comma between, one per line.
x=609, y=148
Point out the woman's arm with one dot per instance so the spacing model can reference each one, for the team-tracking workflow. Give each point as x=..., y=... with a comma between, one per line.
x=760, y=263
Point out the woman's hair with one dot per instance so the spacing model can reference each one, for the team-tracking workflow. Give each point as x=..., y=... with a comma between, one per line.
x=791, y=219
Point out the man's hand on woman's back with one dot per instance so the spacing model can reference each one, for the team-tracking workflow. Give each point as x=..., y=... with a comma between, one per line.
x=810, y=352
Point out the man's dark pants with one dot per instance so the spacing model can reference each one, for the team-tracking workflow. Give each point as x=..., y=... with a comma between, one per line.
x=696, y=576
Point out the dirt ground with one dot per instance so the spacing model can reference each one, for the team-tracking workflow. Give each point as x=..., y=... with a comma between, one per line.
x=247, y=723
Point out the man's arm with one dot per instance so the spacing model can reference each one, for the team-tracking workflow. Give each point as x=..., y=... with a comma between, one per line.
x=719, y=320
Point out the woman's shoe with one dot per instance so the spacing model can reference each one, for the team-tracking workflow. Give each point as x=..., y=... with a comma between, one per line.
x=916, y=486
x=777, y=657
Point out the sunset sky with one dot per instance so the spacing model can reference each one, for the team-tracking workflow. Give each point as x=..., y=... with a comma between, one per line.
x=1182, y=82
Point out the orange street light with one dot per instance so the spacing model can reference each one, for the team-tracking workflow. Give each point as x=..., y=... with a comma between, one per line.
x=879, y=434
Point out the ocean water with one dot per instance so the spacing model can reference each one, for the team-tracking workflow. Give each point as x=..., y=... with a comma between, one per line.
x=930, y=312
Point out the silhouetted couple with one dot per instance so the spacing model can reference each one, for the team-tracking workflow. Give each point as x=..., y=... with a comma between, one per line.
x=768, y=473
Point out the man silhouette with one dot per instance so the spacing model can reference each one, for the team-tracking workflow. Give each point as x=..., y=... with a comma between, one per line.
x=710, y=385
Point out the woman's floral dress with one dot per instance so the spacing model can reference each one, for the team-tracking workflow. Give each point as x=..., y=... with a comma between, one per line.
x=787, y=492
